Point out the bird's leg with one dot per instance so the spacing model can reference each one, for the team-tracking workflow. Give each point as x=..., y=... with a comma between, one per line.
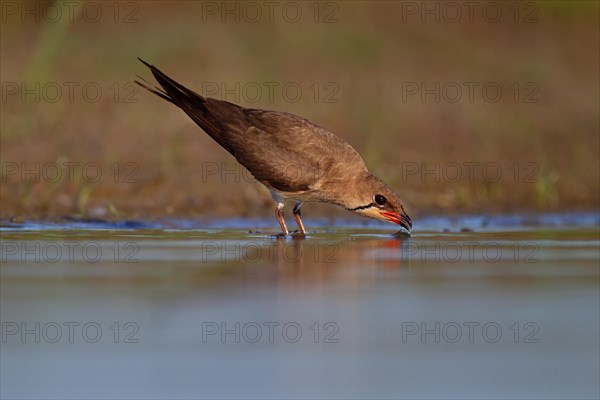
x=279, y=215
x=297, y=216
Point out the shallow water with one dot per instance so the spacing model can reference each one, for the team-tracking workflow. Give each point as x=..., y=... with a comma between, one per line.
x=467, y=307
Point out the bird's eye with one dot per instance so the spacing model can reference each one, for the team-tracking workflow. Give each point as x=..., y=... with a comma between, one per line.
x=380, y=200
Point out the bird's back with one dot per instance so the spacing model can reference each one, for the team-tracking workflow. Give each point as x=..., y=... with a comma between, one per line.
x=285, y=152
x=289, y=154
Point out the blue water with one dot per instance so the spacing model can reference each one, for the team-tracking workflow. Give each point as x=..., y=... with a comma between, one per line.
x=467, y=307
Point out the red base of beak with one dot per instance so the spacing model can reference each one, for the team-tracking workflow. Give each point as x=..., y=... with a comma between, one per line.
x=400, y=219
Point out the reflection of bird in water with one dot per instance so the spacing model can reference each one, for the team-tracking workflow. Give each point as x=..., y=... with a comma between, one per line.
x=315, y=260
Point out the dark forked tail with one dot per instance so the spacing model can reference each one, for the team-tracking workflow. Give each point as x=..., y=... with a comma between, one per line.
x=146, y=85
x=206, y=113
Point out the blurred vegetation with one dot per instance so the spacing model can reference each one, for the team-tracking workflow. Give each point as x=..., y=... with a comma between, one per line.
x=535, y=148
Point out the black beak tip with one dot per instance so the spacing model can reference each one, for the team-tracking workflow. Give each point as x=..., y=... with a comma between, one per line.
x=406, y=225
x=408, y=220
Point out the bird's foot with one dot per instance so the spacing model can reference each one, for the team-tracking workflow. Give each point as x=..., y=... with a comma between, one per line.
x=297, y=234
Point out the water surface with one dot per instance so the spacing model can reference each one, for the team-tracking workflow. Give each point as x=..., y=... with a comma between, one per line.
x=464, y=308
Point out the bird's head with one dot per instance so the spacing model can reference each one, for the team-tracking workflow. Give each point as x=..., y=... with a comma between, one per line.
x=372, y=198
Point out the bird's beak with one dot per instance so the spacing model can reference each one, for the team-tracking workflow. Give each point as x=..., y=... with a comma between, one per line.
x=400, y=219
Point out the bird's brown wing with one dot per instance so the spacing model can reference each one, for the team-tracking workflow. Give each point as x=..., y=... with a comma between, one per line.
x=283, y=151
x=291, y=154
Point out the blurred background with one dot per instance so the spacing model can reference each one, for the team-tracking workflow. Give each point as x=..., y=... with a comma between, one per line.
x=462, y=107
x=483, y=115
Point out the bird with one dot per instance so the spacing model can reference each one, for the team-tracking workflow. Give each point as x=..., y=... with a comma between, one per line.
x=293, y=157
